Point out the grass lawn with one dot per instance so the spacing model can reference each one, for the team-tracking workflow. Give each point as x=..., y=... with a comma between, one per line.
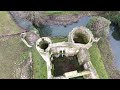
x=107, y=58
x=12, y=52
x=12, y=49
x=97, y=62
x=7, y=25
x=39, y=65
x=57, y=39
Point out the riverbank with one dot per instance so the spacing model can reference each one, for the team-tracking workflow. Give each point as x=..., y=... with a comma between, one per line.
x=106, y=52
x=40, y=17
x=69, y=19
x=97, y=61
x=107, y=57
x=39, y=65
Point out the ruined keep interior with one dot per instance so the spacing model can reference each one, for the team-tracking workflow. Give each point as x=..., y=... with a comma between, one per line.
x=63, y=64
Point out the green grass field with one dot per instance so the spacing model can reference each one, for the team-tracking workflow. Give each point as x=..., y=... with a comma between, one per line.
x=12, y=50
x=97, y=61
x=107, y=58
x=39, y=65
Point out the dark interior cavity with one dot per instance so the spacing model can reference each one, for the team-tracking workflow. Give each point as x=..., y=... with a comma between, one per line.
x=43, y=44
x=81, y=38
x=63, y=64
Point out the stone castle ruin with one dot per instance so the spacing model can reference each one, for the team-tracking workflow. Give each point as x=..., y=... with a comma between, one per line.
x=71, y=59
x=67, y=60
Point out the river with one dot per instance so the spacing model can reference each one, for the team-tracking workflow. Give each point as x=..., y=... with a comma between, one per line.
x=114, y=41
x=60, y=30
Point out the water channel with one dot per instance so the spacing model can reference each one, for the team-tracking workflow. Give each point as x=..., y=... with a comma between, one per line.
x=114, y=40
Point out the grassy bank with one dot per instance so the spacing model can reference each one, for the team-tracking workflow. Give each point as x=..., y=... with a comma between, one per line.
x=96, y=59
x=12, y=52
x=107, y=58
x=39, y=65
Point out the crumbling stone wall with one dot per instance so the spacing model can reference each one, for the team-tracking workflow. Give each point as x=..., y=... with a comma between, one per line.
x=29, y=38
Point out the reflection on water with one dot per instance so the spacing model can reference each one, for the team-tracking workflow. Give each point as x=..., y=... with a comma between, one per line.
x=60, y=30
x=114, y=39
